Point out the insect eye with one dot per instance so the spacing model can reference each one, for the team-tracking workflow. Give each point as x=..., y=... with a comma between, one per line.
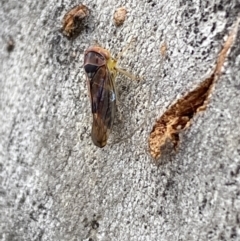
x=90, y=70
x=94, y=59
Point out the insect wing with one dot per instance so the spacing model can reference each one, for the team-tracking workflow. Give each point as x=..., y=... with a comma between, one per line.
x=103, y=100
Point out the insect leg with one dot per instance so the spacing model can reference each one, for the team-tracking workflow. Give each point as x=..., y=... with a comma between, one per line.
x=129, y=75
x=125, y=49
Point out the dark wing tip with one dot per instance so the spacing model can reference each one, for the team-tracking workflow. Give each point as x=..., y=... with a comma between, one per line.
x=99, y=133
x=100, y=144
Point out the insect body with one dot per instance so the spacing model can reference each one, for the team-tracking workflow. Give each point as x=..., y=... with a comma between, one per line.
x=101, y=71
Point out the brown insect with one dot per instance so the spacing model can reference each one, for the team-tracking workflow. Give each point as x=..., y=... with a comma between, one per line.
x=101, y=70
x=73, y=20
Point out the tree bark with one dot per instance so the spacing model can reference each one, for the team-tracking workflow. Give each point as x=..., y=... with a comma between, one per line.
x=56, y=185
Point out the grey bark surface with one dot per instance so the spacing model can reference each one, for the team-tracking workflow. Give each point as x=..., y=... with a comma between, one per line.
x=55, y=185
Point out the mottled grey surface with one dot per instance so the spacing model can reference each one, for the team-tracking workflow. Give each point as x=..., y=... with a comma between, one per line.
x=55, y=185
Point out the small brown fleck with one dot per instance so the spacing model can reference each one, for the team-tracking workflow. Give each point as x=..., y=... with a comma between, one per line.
x=120, y=16
x=73, y=20
x=10, y=44
x=178, y=117
x=163, y=49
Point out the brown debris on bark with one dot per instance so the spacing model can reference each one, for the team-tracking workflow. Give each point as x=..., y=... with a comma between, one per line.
x=73, y=20
x=120, y=16
x=178, y=116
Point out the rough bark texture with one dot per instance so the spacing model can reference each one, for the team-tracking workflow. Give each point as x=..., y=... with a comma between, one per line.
x=55, y=185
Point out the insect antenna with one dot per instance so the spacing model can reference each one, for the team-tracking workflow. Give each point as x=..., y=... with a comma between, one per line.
x=126, y=73
x=120, y=54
